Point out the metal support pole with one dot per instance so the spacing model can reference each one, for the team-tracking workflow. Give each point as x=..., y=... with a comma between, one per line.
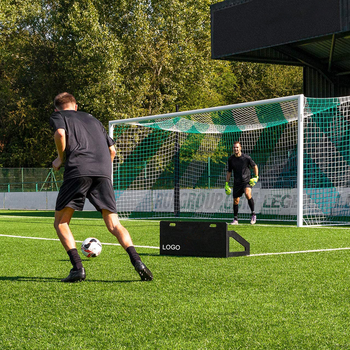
x=300, y=176
x=209, y=173
x=177, y=174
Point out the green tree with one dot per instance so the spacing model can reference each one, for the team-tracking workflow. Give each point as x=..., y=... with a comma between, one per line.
x=53, y=48
x=257, y=81
x=120, y=59
x=21, y=131
x=166, y=56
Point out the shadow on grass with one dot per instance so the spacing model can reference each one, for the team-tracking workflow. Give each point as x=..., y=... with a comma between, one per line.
x=37, y=213
x=32, y=222
x=51, y=279
x=149, y=254
x=89, y=260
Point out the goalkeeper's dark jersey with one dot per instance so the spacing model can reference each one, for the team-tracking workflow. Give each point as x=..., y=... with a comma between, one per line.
x=240, y=166
x=87, y=144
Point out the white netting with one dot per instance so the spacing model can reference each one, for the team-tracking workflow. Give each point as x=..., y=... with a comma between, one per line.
x=326, y=161
x=174, y=165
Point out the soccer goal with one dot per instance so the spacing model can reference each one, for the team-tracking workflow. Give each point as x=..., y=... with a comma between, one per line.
x=174, y=165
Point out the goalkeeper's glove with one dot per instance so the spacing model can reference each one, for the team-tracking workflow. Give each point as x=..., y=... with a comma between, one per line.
x=227, y=189
x=253, y=180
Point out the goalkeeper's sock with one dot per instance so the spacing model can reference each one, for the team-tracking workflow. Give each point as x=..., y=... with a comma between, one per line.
x=133, y=254
x=75, y=259
x=251, y=204
x=235, y=211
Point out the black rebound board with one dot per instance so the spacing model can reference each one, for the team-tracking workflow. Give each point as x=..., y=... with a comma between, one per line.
x=239, y=26
x=202, y=239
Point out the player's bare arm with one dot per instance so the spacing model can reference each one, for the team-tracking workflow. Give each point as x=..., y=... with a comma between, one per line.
x=112, y=152
x=60, y=142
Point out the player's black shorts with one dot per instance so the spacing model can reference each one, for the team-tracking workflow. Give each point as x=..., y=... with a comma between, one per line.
x=99, y=191
x=238, y=190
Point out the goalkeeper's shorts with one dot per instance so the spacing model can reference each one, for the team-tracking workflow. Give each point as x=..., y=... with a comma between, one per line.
x=238, y=189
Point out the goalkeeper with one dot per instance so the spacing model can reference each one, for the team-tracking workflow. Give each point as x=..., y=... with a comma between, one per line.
x=240, y=164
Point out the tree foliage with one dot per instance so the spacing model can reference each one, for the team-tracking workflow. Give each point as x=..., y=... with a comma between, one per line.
x=120, y=59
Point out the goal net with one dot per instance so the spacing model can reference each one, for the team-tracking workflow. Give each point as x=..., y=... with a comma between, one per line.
x=174, y=165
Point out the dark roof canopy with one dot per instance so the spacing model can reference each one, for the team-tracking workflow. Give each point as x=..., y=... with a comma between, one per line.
x=309, y=33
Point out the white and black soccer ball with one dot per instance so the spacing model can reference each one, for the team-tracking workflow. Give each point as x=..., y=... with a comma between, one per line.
x=91, y=247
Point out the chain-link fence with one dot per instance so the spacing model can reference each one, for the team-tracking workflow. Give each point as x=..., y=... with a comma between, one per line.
x=30, y=179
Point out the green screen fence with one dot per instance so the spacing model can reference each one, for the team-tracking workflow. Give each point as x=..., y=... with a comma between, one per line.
x=30, y=179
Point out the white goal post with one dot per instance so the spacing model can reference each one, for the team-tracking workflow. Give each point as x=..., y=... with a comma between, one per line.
x=174, y=165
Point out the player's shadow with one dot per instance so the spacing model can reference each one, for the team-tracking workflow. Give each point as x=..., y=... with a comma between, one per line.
x=28, y=278
x=52, y=279
x=149, y=254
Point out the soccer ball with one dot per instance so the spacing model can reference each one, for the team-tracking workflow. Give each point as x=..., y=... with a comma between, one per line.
x=91, y=247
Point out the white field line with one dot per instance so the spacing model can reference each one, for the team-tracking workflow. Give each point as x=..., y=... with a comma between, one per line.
x=74, y=218
x=339, y=227
x=150, y=247
x=301, y=252
x=56, y=239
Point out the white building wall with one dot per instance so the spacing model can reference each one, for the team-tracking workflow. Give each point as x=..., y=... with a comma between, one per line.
x=32, y=201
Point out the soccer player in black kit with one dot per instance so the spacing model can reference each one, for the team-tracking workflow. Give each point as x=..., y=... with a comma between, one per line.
x=89, y=153
x=240, y=164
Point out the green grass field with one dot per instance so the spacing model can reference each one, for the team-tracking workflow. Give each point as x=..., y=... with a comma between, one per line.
x=279, y=301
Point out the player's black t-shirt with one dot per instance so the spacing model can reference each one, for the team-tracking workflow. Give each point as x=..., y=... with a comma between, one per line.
x=87, y=144
x=241, y=168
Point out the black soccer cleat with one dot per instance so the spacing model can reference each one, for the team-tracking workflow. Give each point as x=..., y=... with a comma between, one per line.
x=75, y=276
x=143, y=271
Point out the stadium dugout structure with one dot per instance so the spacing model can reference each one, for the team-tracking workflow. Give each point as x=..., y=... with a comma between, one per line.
x=314, y=34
